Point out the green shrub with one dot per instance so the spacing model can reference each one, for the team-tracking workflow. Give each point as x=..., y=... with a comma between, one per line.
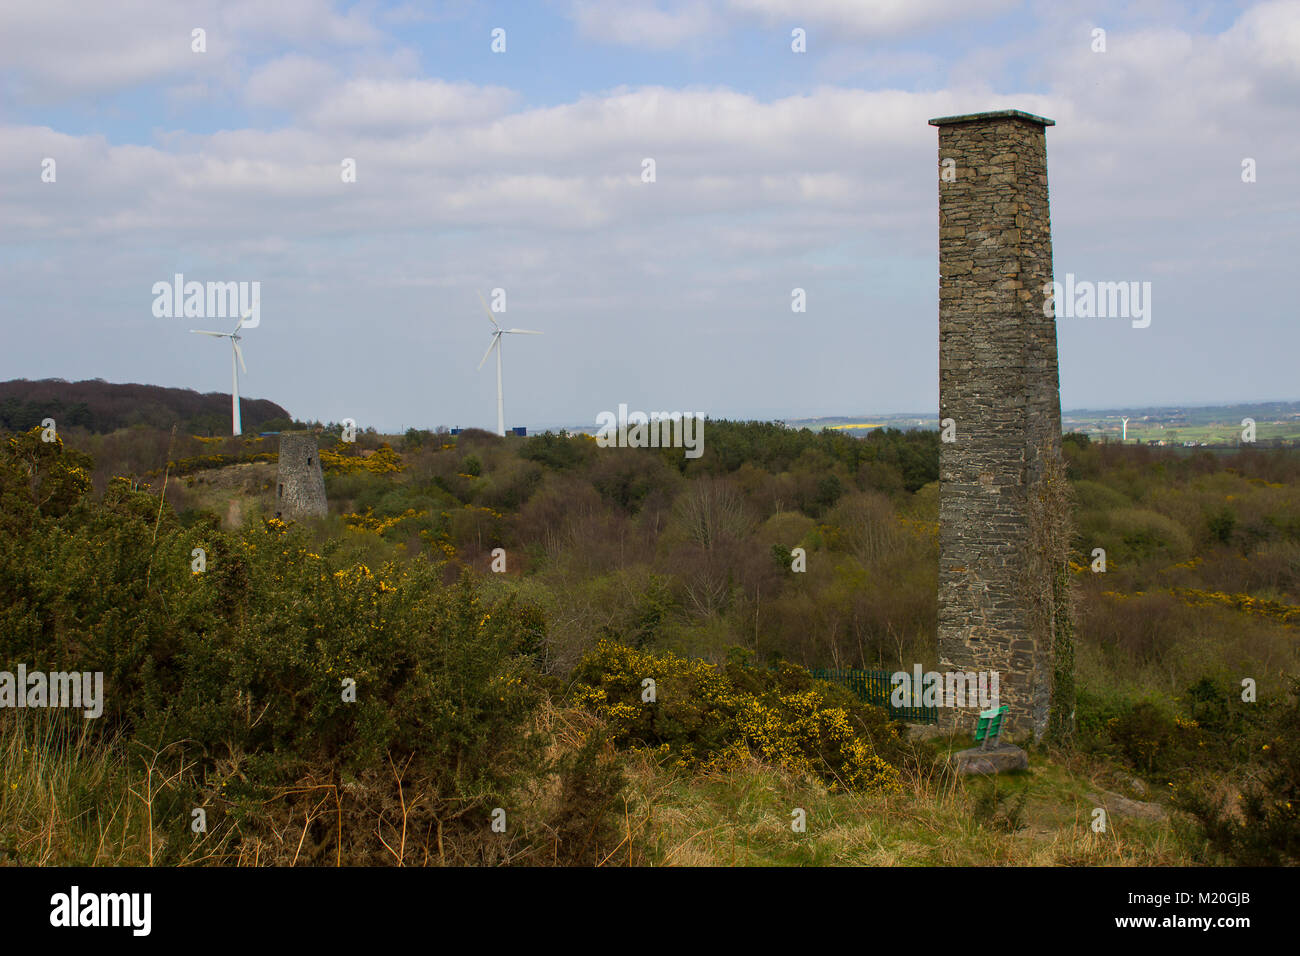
x=1094, y=496
x=1255, y=820
x=708, y=716
x=1146, y=535
x=557, y=451
x=1219, y=525
x=1094, y=708
x=1152, y=740
x=586, y=822
x=234, y=678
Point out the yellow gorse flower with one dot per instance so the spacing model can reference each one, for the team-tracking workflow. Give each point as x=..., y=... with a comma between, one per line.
x=798, y=731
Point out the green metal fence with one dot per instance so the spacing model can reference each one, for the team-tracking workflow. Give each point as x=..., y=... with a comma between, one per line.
x=874, y=687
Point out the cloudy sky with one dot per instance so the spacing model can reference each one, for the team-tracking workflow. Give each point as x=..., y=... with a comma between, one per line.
x=522, y=170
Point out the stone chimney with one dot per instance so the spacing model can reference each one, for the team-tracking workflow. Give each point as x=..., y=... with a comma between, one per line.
x=1002, y=537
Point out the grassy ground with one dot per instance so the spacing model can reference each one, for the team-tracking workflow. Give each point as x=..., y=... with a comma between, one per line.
x=237, y=493
x=65, y=800
x=743, y=818
x=70, y=801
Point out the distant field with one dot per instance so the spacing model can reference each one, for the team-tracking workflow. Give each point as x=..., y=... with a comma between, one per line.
x=850, y=423
x=1214, y=425
x=1212, y=434
x=1217, y=434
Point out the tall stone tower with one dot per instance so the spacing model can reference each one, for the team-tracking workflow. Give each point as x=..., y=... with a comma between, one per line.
x=300, y=487
x=1003, y=593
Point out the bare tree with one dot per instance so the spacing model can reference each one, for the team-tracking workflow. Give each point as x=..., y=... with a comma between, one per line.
x=713, y=512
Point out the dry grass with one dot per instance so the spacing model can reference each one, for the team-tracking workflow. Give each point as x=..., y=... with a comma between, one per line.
x=743, y=817
x=69, y=799
x=65, y=800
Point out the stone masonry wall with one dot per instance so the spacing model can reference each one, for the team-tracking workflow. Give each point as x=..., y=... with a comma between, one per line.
x=998, y=382
x=300, y=487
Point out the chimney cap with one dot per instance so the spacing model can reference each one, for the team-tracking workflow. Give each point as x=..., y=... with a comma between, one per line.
x=995, y=114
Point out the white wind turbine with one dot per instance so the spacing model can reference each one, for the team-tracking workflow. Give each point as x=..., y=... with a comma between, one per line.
x=235, y=354
x=496, y=344
x=1125, y=435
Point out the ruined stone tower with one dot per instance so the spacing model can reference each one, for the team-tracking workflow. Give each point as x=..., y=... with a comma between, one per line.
x=1002, y=538
x=300, y=486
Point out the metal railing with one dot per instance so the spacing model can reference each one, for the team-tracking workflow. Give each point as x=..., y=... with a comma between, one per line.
x=874, y=687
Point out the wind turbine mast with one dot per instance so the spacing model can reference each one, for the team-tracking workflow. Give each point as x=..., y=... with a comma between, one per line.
x=236, y=363
x=496, y=344
x=501, y=398
x=236, y=426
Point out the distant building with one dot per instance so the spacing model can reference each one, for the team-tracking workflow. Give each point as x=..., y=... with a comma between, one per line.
x=300, y=485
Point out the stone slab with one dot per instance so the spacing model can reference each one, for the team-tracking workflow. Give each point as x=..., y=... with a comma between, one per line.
x=1001, y=758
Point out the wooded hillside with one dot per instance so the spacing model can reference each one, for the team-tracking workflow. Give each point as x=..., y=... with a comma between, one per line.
x=100, y=406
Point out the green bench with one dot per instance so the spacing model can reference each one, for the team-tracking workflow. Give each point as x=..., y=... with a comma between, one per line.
x=990, y=725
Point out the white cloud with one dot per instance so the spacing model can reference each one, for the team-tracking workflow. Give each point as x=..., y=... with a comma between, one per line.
x=877, y=18
x=644, y=22
x=66, y=48
x=648, y=23
x=832, y=189
x=392, y=106
x=1267, y=37
x=291, y=82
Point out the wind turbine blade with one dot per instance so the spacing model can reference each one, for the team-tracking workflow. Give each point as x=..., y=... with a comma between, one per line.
x=495, y=339
x=522, y=331
x=220, y=335
x=491, y=317
x=242, y=320
x=240, y=353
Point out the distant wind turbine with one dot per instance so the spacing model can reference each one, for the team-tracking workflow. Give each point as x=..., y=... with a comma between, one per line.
x=235, y=354
x=496, y=344
x=1125, y=436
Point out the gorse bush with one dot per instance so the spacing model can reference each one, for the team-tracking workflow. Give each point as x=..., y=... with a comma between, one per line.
x=382, y=461
x=709, y=716
x=39, y=478
x=1258, y=822
x=284, y=690
x=1151, y=739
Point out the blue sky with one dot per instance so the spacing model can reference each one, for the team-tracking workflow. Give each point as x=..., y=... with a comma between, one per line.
x=521, y=171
